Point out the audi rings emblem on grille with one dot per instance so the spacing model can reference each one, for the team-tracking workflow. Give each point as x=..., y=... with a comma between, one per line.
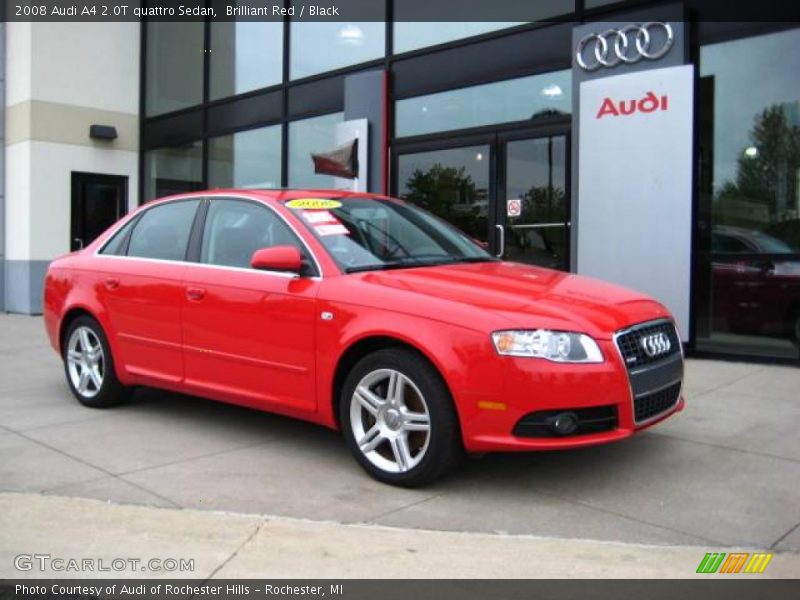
x=613, y=46
x=655, y=344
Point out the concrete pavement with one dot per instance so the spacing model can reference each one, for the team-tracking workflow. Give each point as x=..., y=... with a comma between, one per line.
x=723, y=473
x=227, y=545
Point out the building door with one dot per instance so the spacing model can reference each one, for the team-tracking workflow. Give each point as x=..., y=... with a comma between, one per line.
x=507, y=190
x=454, y=181
x=533, y=208
x=98, y=201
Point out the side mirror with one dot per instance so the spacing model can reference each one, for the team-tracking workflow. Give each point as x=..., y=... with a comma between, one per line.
x=278, y=258
x=766, y=267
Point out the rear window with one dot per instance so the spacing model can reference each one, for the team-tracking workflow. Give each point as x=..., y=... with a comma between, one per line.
x=116, y=245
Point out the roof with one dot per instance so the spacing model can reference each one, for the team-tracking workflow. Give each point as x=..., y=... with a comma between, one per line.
x=276, y=194
x=284, y=194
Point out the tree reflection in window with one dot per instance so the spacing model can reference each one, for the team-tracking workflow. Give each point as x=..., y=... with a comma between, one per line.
x=450, y=193
x=764, y=195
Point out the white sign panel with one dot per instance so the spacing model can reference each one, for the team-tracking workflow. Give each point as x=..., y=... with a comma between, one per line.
x=635, y=183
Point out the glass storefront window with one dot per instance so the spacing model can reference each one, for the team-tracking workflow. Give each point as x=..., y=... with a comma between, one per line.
x=453, y=184
x=317, y=47
x=306, y=137
x=410, y=35
x=174, y=77
x=596, y=3
x=522, y=99
x=173, y=170
x=749, y=197
x=246, y=159
x=245, y=56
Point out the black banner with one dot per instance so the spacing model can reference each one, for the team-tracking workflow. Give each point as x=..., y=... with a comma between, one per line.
x=521, y=11
x=277, y=589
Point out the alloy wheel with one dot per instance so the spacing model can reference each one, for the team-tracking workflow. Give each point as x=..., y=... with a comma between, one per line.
x=85, y=362
x=390, y=420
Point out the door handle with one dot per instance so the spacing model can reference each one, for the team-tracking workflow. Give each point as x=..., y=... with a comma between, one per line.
x=112, y=283
x=195, y=294
x=501, y=247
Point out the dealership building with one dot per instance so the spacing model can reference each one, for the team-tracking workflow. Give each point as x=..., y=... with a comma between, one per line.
x=634, y=141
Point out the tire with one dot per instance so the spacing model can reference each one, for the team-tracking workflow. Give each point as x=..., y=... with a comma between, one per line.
x=407, y=438
x=744, y=326
x=89, y=366
x=794, y=326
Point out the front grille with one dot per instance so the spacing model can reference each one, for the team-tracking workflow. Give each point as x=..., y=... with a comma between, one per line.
x=632, y=350
x=650, y=405
x=595, y=419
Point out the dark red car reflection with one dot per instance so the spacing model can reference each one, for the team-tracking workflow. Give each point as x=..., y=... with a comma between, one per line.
x=755, y=292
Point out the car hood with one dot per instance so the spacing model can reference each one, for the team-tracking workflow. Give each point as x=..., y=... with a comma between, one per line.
x=526, y=296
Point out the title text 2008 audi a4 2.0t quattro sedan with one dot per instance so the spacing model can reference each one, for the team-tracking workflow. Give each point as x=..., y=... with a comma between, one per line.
x=361, y=313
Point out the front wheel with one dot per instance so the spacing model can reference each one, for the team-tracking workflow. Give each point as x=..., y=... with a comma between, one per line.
x=398, y=418
x=89, y=366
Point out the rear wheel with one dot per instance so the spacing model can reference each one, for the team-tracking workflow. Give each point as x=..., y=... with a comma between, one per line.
x=89, y=365
x=398, y=418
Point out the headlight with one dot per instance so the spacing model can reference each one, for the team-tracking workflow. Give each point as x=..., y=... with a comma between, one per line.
x=558, y=346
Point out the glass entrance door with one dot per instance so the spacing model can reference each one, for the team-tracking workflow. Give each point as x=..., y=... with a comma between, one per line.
x=533, y=208
x=509, y=191
x=452, y=183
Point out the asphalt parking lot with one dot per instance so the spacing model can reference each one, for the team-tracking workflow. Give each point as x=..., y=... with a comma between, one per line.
x=724, y=472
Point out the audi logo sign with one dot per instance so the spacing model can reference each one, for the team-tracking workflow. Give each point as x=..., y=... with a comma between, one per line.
x=613, y=46
x=655, y=344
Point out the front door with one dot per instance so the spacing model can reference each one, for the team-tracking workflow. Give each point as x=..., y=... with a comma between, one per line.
x=507, y=190
x=248, y=335
x=98, y=201
x=533, y=208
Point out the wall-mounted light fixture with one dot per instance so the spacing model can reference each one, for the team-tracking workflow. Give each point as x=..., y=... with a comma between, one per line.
x=102, y=132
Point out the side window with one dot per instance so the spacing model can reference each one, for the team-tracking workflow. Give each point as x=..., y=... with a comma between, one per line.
x=724, y=243
x=163, y=232
x=116, y=245
x=235, y=229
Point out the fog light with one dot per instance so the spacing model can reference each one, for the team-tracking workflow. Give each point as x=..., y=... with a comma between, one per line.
x=565, y=423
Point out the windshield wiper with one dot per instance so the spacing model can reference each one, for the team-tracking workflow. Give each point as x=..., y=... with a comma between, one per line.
x=381, y=267
x=476, y=259
x=411, y=262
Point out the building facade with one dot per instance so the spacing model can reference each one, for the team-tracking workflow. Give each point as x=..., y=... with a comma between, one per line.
x=488, y=124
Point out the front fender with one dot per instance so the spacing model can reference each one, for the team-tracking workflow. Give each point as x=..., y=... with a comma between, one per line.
x=464, y=357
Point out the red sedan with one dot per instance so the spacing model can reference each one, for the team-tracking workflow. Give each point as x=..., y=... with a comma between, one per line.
x=365, y=314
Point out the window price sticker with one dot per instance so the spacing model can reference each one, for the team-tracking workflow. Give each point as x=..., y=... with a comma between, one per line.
x=319, y=216
x=324, y=222
x=331, y=229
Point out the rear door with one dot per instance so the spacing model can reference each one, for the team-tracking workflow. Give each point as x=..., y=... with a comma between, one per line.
x=248, y=334
x=140, y=283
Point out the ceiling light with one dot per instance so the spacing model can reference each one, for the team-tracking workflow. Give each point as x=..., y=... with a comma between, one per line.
x=351, y=34
x=552, y=91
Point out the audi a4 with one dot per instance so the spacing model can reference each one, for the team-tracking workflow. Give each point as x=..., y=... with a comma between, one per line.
x=364, y=314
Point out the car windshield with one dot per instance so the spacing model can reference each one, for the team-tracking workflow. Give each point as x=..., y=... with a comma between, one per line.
x=370, y=234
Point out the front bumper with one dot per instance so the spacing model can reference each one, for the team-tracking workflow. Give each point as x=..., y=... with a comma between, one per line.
x=639, y=396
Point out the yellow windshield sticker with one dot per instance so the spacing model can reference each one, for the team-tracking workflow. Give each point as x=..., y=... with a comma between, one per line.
x=313, y=203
